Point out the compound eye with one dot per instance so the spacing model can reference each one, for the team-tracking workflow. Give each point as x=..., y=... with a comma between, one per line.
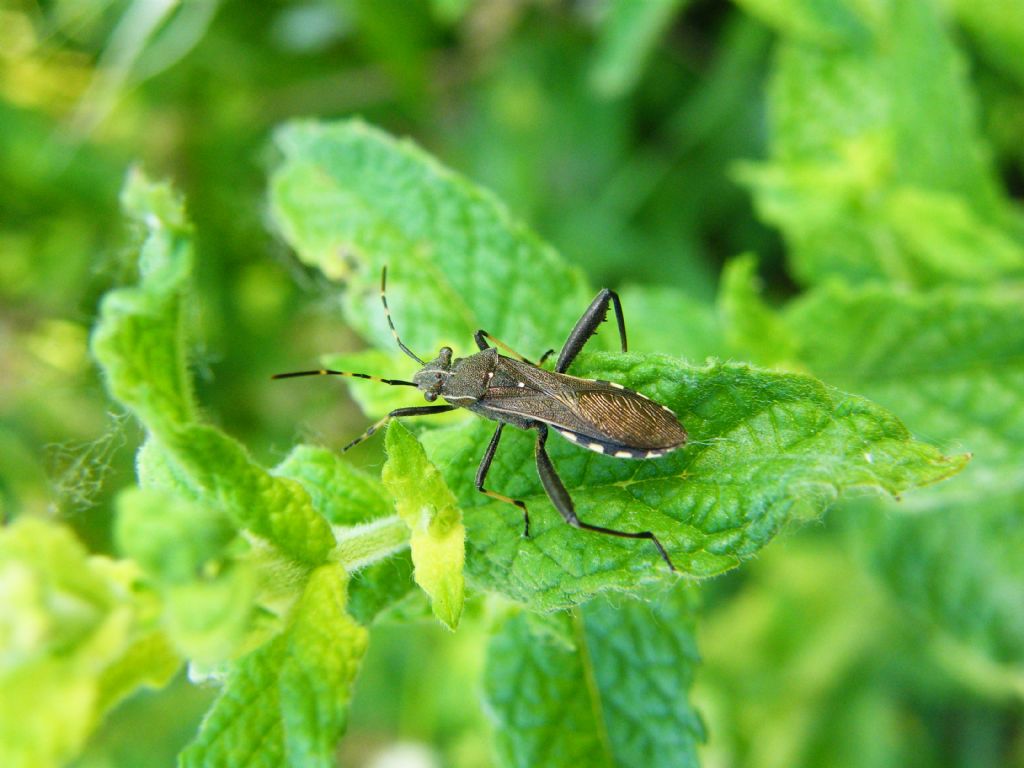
x=430, y=396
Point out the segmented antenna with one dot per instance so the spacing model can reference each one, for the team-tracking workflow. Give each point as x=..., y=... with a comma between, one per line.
x=327, y=372
x=387, y=314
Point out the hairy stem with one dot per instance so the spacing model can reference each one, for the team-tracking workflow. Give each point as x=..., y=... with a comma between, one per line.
x=360, y=545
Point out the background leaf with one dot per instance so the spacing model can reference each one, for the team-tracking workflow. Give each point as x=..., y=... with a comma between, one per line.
x=628, y=32
x=287, y=701
x=950, y=361
x=880, y=179
x=612, y=692
x=77, y=635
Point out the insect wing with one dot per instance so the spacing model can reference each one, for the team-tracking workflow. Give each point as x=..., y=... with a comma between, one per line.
x=626, y=418
x=598, y=415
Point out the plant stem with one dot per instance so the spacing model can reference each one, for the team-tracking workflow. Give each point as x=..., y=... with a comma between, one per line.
x=359, y=545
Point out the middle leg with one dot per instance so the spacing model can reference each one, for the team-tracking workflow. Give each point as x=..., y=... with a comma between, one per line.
x=481, y=475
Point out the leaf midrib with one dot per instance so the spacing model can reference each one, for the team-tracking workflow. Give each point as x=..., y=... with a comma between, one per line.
x=593, y=690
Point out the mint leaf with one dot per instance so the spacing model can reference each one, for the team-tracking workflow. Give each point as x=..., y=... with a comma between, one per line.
x=152, y=375
x=960, y=567
x=809, y=657
x=829, y=24
x=869, y=176
x=356, y=503
x=236, y=553
x=286, y=703
x=192, y=557
x=428, y=507
x=340, y=492
x=952, y=361
x=998, y=28
x=76, y=636
x=139, y=342
x=351, y=200
x=628, y=31
x=169, y=537
x=379, y=586
x=765, y=448
x=614, y=695
x=752, y=328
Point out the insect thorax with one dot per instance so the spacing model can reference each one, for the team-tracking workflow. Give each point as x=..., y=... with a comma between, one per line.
x=470, y=377
x=460, y=382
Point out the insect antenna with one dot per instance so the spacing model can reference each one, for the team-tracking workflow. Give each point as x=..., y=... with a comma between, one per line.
x=387, y=314
x=326, y=372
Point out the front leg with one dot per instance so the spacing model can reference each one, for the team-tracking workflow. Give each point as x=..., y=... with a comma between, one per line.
x=563, y=501
x=416, y=410
x=481, y=475
x=587, y=325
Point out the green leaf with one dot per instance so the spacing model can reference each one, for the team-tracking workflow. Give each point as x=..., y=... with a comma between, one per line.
x=190, y=554
x=430, y=510
x=829, y=24
x=77, y=635
x=341, y=493
x=450, y=11
x=233, y=550
x=998, y=26
x=951, y=361
x=352, y=200
x=150, y=661
x=960, y=567
x=615, y=696
x=379, y=586
x=170, y=538
x=753, y=329
x=139, y=342
x=152, y=375
x=807, y=656
x=347, y=497
x=627, y=33
x=877, y=169
x=287, y=702
x=766, y=448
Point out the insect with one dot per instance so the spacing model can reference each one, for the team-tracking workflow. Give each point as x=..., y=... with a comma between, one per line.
x=599, y=415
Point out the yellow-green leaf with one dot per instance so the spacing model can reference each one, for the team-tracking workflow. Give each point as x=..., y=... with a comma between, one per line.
x=429, y=508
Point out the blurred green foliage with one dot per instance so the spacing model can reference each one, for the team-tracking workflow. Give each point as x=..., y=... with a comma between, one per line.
x=868, y=153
